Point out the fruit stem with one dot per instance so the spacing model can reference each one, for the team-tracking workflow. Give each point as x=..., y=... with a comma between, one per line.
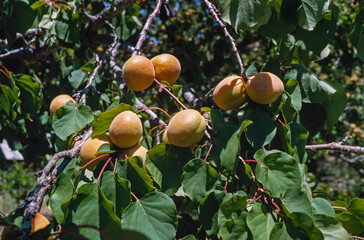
x=150, y=132
x=158, y=135
x=208, y=152
x=116, y=162
x=95, y=159
x=135, y=197
x=102, y=170
x=252, y=160
x=156, y=108
x=170, y=94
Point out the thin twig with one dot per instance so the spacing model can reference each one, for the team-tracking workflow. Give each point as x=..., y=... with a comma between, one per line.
x=146, y=27
x=161, y=86
x=216, y=14
x=336, y=146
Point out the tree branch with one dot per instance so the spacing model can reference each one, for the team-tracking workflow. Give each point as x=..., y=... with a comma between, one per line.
x=336, y=146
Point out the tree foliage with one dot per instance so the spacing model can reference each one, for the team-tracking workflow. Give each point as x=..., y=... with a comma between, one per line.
x=249, y=178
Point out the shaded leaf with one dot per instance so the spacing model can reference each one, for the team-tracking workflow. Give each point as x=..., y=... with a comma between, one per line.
x=330, y=227
x=208, y=211
x=260, y=222
x=295, y=200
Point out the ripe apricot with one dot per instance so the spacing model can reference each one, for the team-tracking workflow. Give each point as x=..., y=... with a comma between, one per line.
x=264, y=88
x=167, y=68
x=90, y=148
x=39, y=222
x=165, y=138
x=59, y=102
x=137, y=150
x=230, y=93
x=126, y=129
x=186, y=128
x=138, y=73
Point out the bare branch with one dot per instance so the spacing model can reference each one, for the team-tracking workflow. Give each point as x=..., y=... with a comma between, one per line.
x=336, y=146
x=216, y=14
x=30, y=54
x=35, y=198
x=146, y=27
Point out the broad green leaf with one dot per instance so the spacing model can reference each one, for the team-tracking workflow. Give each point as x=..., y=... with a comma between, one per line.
x=165, y=164
x=154, y=215
x=262, y=130
x=279, y=172
x=260, y=222
x=284, y=133
x=322, y=206
x=299, y=136
x=226, y=148
x=22, y=17
x=9, y=99
x=351, y=223
x=90, y=207
x=232, y=203
x=335, y=106
x=234, y=228
x=189, y=237
x=317, y=39
x=279, y=232
x=76, y=78
x=311, y=12
x=69, y=119
x=64, y=188
x=208, y=211
x=306, y=223
x=102, y=122
x=295, y=200
x=293, y=88
x=132, y=169
x=330, y=227
x=356, y=207
x=30, y=93
x=245, y=14
x=68, y=30
x=216, y=119
x=287, y=109
x=198, y=179
x=116, y=190
x=281, y=22
x=312, y=117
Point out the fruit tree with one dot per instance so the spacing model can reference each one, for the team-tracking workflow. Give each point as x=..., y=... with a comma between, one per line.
x=173, y=119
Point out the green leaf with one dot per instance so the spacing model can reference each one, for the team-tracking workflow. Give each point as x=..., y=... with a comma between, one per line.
x=356, y=207
x=76, y=78
x=335, y=106
x=311, y=12
x=279, y=232
x=295, y=200
x=234, y=228
x=262, y=131
x=64, y=188
x=351, y=223
x=306, y=223
x=260, y=222
x=322, y=206
x=226, y=148
x=90, y=207
x=330, y=227
x=116, y=190
x=293, y=88
x=279, y=172
x=198, y=179
x=356, y=35
x=233, y=203
x=217, y=119
x=245, y=14
x=22, y=17
x=69, y=119
x=102, y=122
x=189, y=237
x=299, y=136
x=132, y=169
x=208, y=211
x=30, y=93
x=165, y=164
x=68, y=30
x=283, y=22
x=154, y=215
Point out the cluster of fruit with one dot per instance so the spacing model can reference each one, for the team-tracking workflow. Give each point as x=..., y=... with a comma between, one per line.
x=187, y=127
x=262, y=88
x=139, y=72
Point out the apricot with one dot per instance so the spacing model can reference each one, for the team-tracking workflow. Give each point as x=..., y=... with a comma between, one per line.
x=165, y=138
x=138, y=73
x=126, y=129
x=186, y=128
x=230, y=93
x=137, y=150
x=264, y=88
x=39, y=222
x=59, y=102
x=90, y=148
x=167, y=68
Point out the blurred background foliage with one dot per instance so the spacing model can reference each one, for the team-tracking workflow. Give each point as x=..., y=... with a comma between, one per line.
x=193, y=36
